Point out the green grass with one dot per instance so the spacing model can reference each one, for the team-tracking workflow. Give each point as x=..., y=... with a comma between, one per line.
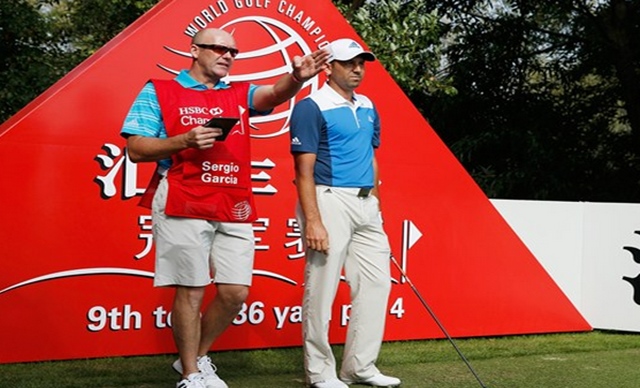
x=581, y=360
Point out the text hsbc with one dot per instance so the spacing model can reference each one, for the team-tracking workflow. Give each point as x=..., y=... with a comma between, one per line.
x=189, y=110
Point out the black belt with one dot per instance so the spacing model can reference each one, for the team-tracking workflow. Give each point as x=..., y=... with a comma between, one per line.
x=364, y=192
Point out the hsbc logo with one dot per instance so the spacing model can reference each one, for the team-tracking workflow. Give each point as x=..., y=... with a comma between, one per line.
x=199, y=110
x=197, y=115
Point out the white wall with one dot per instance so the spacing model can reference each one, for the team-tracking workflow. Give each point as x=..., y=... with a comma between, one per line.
x=581, y=245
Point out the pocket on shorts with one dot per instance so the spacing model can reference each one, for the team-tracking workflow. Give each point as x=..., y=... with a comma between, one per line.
x=160, y=198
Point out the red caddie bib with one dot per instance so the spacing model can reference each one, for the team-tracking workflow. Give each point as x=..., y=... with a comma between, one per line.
x=213, y=184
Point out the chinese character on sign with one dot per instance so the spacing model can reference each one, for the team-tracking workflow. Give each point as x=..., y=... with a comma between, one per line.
x=260, y=225
x=262, y=176
x=147, y=236
x=115, y=160
x=292, y=223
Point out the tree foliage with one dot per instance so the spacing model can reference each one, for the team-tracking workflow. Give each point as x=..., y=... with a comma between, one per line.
x=41, y=40
x=94, y=23
x=406, y=39
x=546, y=99
x=31, y=57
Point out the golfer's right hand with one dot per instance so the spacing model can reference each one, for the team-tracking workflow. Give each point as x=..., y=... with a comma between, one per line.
x=317, y=237
x=202, y=137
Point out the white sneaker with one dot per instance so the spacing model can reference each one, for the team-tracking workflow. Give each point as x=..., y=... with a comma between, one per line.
x=194, y=380
x=378, y=380
x=331, y=383
x=207, y=370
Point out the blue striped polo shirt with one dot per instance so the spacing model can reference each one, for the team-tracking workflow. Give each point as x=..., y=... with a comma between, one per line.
x=342, y=135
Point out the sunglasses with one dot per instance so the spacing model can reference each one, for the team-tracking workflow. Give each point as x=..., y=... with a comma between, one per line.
x=219, y=49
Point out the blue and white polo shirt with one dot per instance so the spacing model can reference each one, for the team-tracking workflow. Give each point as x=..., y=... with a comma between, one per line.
x=342, y=135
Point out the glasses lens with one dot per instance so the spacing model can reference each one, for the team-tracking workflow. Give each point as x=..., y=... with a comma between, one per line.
x=232, y=51
x=219, y=49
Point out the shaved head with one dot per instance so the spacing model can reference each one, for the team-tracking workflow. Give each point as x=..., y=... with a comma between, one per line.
x=212, y=35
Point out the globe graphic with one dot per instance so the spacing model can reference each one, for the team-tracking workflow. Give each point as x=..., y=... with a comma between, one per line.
x=267, y=47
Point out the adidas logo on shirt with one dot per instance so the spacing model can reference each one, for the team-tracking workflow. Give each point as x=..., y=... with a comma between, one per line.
x=295, y=141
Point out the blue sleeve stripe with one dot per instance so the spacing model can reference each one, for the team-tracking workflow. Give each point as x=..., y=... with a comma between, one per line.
x=144, y=117
x=252, y=111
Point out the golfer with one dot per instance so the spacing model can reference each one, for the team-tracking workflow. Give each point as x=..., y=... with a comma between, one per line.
x=334, y=133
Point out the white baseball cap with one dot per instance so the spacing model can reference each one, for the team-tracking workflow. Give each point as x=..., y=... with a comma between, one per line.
x=347, y=49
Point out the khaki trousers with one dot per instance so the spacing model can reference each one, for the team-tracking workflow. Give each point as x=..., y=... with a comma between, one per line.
x=357, y=243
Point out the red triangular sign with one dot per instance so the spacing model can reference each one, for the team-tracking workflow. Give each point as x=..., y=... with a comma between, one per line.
x=77, y=259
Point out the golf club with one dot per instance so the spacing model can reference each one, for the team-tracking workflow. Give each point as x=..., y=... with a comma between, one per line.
x=435, y=318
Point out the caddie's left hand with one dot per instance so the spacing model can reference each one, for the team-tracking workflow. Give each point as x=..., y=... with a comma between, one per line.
x=308, y=66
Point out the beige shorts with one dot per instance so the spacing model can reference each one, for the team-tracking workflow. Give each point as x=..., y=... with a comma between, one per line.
x=196, y=252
